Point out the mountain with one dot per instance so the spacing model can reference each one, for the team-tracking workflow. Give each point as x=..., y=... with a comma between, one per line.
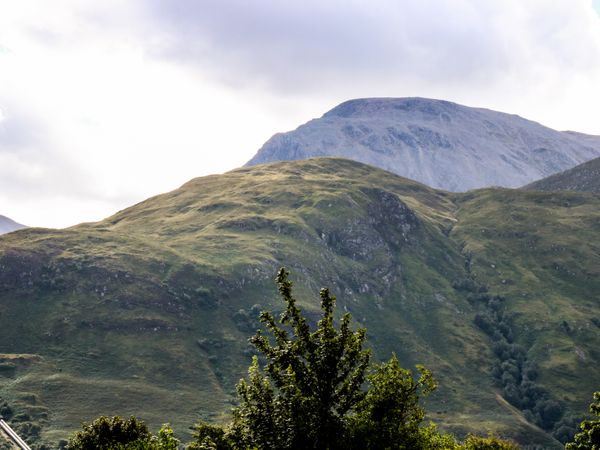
x=441, y=144
x=148, y=312
x=7, y=225
x=584, y=178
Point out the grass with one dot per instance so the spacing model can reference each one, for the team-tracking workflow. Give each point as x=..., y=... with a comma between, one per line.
x=140, y=313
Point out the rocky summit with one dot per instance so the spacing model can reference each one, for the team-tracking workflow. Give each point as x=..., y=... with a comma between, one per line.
x=438, y=143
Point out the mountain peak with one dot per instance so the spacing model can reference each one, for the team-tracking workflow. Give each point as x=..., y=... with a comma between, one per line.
x=370, y=107
x=436, y=142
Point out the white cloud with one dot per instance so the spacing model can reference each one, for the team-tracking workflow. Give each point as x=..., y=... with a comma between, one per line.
x=91, y=120
x=106, y=103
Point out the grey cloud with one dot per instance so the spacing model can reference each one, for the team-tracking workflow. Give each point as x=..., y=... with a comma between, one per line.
x=313, y=45
x=298, y=45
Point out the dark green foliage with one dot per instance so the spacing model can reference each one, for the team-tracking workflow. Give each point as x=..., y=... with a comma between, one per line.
x=107, y=433
x=310, y=383
x=469, y=285
x=209, y=437
x=589, y=436
x=486, y=324
x=514, y=373
x=565, y=428
x=115, y=433
x=390, y=415
x=550, y=411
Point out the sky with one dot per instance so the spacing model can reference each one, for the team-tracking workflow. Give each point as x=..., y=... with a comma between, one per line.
x=106, y=103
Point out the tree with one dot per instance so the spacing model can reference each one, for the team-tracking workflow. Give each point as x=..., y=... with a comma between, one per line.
x=116, y=433
x=390, y=415
x=107, y=433
x=209, y=437
x=589, y=437
x=310, y=382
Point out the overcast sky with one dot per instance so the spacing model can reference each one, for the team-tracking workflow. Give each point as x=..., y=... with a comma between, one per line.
x=105, y=103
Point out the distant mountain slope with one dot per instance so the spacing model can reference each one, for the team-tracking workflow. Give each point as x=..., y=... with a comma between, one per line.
x=441, y=144
x=7, y=225
x=148, y=312
x=584, y=178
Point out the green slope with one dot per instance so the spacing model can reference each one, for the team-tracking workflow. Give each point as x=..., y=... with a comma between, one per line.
x=148, y=311
x=583, y=178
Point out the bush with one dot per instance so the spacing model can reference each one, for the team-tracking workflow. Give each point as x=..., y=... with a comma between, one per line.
x=107, y=433
x=115, y=433
x=390, y=415
x=487, y=443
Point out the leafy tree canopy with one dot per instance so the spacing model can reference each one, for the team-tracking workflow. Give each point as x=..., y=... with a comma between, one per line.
x=115, y=433
x=589, y=437
x=311, y=381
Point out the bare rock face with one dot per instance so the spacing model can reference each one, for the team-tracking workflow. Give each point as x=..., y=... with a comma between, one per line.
x=439, y=143
x=7, y=225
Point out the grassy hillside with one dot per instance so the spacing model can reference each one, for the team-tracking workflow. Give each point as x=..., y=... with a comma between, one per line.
x=583, y=178
x=148, y=311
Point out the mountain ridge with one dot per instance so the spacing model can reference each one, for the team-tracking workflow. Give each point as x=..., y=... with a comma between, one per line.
x=436, y=142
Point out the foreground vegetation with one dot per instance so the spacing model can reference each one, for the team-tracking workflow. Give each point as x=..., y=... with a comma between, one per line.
x=588, y=437
x=316, y=390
